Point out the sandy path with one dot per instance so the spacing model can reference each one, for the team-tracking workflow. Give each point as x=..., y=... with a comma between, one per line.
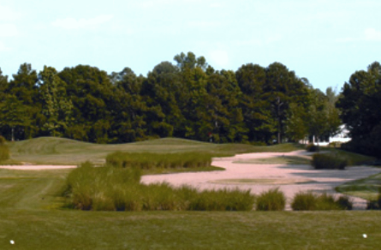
x=314, y=180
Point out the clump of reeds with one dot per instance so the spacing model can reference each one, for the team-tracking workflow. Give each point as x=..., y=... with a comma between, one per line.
x=152, y=160
x=271, y=200
x=310, y=201
x=118, y=189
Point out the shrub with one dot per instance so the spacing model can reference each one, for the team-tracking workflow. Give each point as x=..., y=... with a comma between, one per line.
x=4, y=150
x=152, y=160
x=328, y=161
x=272, y=200
x=312, y=148
x=310, y=201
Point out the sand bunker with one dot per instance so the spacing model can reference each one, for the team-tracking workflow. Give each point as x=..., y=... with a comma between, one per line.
x=257, y=178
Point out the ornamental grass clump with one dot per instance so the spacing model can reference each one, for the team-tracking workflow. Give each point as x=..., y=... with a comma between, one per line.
x=328, y=161
x=152, y=160
x=119, y=189
x=309, y=201
x=222, y=200
x=271, y=200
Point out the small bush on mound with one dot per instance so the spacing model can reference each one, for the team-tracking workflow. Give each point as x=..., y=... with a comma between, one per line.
x=272, y=200
x=152, y=160
x=309, y=201
x=4, y=151
x=328, y=161
x=118, y=189
x=312, y=148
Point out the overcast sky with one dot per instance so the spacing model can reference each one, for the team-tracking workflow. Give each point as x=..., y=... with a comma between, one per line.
x=324, y=41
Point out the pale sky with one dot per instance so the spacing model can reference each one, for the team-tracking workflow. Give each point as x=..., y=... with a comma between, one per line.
x=324, y=41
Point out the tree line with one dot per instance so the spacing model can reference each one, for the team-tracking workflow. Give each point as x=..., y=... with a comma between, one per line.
x=359, y=106
x=185, y=99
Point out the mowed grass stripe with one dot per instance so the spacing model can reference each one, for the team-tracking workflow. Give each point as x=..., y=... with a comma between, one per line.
x=190, y=230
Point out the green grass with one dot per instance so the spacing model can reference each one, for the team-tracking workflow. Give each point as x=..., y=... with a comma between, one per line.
x=366, y=188
x=30, y=215
x=263, y=181
x=189, y=230
x=288, y=160
x=51, y=150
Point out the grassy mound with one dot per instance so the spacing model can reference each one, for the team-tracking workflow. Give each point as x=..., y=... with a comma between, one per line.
x=60, y=151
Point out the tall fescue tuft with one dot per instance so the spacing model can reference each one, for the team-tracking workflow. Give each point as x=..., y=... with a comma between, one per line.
x=310, y=201
x=328, y=161
x=4, y=150
x=271, y=200
x=152, y=160
x=118, y=189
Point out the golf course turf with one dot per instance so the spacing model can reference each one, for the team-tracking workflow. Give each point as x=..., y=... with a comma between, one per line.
x=33, y=217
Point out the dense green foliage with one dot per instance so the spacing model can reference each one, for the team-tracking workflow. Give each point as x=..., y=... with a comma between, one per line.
x=359, y=104
x=152, y=160
x=328, y=161
x=310, y=201
x=188, y=99
x=118, y=189
x=4, y=150
x=271, y=200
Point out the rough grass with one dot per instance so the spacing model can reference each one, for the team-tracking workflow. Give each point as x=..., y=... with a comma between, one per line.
x=366, y=188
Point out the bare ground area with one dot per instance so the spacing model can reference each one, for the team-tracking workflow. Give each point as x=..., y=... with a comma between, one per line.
x=257, y=178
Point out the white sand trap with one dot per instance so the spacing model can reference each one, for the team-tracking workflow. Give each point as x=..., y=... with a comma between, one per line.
x=290, y=179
